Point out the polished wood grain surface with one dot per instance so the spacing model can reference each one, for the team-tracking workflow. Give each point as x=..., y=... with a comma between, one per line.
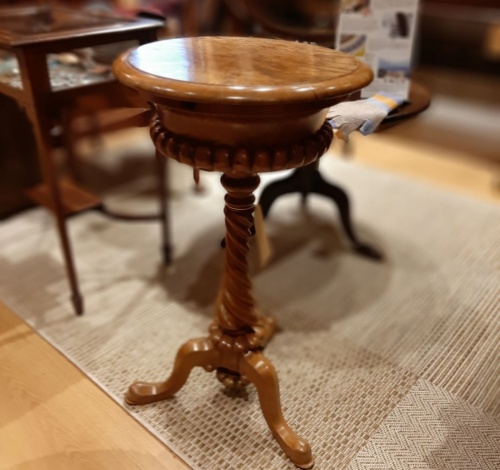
x=241, y=92
x=241, y=71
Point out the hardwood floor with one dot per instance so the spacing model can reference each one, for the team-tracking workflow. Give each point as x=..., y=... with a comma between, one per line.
x=433, y=164
x=53, y=417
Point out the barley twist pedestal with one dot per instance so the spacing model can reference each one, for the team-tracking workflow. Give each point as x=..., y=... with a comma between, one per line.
x=240, y=106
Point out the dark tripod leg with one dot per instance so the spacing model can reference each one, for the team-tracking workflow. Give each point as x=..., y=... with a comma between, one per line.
x=340, y=198
x=273, y=191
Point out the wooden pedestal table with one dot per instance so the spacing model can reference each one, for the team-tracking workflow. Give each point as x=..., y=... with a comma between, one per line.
x=240, y=106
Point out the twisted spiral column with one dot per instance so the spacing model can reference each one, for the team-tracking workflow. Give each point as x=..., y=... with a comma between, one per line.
x=237, y=323
x=235, y=311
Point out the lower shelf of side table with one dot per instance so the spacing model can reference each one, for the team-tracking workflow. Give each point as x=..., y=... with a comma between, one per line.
x=74, y=199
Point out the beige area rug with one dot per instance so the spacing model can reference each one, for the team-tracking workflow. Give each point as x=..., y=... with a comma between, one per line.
x=392, y=365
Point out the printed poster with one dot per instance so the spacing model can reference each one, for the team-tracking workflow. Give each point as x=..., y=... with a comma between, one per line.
x=380, y=32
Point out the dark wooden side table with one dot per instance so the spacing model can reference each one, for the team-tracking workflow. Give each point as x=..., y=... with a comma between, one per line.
x=308, y=180
x=30, y=33
x=240, y=106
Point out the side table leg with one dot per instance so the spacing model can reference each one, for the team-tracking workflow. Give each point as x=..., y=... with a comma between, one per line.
x=274, y=190
x=50, y=179
x=340, y=198
x=306, y=180
x=162, y=169
x=36, y=84
x=257, y=369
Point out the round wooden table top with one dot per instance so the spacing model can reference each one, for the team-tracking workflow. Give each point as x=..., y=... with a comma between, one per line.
x=233, y=71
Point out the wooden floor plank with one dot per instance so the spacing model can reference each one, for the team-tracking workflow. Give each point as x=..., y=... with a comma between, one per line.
x=53, y=417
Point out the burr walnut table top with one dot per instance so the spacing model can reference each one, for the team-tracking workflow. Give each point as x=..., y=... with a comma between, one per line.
x=234, y=71
x=239, y=92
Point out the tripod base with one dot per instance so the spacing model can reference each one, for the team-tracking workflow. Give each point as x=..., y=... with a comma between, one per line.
x=239, y=361
x=308, y=180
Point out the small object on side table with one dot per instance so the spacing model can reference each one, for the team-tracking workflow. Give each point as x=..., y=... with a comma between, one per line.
x=362, y=115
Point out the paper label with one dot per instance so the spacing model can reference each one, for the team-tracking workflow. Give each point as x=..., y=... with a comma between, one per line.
x=263, y=245
x=380, y=32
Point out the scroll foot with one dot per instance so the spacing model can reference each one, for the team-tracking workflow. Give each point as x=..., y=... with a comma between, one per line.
x=196, y=352
x=256, y=368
